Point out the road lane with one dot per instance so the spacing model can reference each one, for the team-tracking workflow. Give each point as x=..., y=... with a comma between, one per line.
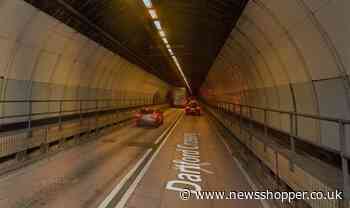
x=216, y=170
x=81, y=176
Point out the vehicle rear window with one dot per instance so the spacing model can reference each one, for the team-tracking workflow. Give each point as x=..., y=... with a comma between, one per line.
x=147, y=111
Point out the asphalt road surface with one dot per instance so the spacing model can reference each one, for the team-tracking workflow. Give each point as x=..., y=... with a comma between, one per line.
x=86, y=176
x=81, y=176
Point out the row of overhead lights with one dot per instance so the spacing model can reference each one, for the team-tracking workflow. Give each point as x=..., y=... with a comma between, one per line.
x=152, y=12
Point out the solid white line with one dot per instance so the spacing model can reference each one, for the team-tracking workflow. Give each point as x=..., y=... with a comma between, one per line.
x=264, y=203
x=123, y=181
x=117, y=188
x=162, y=135
x=166, y=131
x=133, y=186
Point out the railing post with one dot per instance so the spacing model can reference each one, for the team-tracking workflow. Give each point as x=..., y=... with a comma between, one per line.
x=77, y=137
x=265, y=123
x=96, y=116
x=30, y=113
x=240, y=119
x=60, y=115
x=116, y=112
x=250, y=123
x=266, y=130
x=292, y=140
x=250, y=114
x=81, y=112
x=231, y=107
x=344, y=160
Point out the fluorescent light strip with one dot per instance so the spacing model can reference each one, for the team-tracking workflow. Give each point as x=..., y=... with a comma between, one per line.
x=153, y=13
x=182, y=73
x=165, y=41
x=162, y=33
x=147, y=3
x=157, y=24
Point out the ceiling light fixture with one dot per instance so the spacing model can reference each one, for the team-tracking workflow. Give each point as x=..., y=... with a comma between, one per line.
x=157, y=24
x=165, y=40
x=148, y=3
x=153, y=13
x=162, y=33
x=171, y=52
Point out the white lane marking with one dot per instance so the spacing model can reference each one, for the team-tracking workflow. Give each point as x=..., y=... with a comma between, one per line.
x=116, y=189
x=166, y=131
x=133, y=186
x=264, y=203
x=123, y=181
x=23, y=170
x=43, y=161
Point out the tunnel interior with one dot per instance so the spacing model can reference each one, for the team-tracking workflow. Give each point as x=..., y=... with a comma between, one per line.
x=271, y=76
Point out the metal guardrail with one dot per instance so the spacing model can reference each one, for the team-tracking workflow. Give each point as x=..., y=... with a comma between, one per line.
x=80, y=107
x=261, y=172
x=238, y=110
x=83, y=118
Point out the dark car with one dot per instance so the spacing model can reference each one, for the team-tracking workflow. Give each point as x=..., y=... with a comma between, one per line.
x=193, y=108
x=149, y=117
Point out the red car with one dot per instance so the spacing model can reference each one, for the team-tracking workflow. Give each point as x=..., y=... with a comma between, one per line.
x=149, y=117
x=193, y=108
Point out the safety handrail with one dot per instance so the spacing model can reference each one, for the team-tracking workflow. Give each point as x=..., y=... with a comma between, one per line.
x=64, y=100
x=293, y=116
x=305, y=115
x=79, y=106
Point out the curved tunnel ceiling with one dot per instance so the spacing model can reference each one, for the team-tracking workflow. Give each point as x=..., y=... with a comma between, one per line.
x=195, y=29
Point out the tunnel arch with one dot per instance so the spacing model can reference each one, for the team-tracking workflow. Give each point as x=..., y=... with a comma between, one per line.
x=41, y=58
x=297, y=48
